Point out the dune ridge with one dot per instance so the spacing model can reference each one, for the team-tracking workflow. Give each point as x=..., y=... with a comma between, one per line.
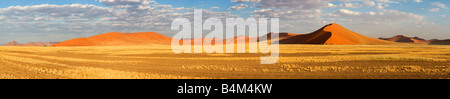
x=119, y=39
x=405, y=39
x=331, y=34
x=440, y=42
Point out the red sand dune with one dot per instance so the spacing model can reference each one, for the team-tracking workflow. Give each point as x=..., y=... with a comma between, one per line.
x=12, y=43
x=118, y=39
x=402, y=38
x=332, y=34
x=417, y=38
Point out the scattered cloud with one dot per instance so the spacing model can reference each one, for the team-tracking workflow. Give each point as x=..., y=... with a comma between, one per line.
x=238, y=7
x=126, y=2
x=418, y=1
x=68, y=21
x=242, y=1
x=47, y=12
x=434, y=10
x=381, y=16
x=440, y=5
x=81, y=20
x=294, y=4
x=369, y=3
x=346, y=5
x=214, y=8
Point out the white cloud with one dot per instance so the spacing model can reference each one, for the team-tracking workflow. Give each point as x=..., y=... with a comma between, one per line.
x=47, y=12
x=238, y=7
x=440, y=5
x=262, y=11
x=214, y=8
x=351, y=5
x=434, y=10
x=346, y=12
x=242, y=1
x=125, y=2
x=294, y=4
x=383, y=16
x=331, y=5
x=81, y=20
x=388, y=1
x=381, y=6
x=369, y=3
x=418, y=1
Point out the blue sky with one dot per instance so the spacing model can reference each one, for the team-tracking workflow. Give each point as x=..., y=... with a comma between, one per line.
x=60, y=20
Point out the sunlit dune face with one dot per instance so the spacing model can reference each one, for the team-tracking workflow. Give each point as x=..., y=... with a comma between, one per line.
x=121, y=39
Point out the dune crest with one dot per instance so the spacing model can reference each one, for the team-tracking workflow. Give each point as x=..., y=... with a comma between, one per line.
x=331, y=34
x=405, y=39
x=119, y=39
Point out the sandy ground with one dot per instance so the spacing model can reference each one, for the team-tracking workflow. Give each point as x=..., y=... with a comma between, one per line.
x=159, y=62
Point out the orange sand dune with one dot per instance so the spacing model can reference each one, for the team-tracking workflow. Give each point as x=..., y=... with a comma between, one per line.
x=332, y=34
x=402, y=38
x=118, y=39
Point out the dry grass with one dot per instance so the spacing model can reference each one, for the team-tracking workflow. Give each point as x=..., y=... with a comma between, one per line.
x=159, y=62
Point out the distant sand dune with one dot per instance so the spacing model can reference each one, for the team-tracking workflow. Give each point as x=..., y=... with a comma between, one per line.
x=14, y=43
x=440, y=42
x=118, y=39
x=332, y=34
x=402, y=38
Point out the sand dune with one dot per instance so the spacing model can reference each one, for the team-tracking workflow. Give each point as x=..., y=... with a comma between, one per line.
x=12, y=43
x=440, y=42
x=402, y=38
x=118, y=39
x=332, y=34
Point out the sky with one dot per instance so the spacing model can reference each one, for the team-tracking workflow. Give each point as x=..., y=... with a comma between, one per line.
x=60, y=20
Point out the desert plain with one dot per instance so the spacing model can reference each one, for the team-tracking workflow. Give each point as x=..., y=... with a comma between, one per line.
x=296, y=61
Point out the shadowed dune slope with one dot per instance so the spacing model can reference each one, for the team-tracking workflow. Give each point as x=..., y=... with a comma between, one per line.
x=440, y=42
